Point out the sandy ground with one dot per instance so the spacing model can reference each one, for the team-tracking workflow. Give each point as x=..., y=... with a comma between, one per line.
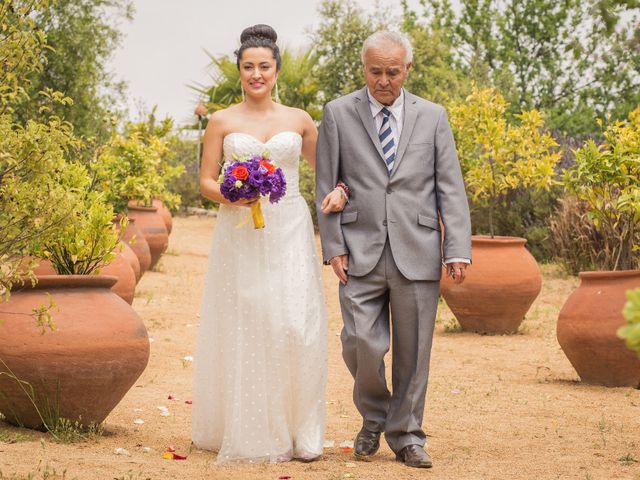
x=498, y=407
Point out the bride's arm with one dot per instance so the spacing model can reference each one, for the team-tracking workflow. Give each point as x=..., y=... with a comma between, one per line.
x=212, y=161
x=337, y=198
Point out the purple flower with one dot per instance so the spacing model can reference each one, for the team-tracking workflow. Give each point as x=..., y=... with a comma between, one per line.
x=259, y=181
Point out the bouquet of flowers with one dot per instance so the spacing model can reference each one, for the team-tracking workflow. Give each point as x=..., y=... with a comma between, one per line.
x=253, y=177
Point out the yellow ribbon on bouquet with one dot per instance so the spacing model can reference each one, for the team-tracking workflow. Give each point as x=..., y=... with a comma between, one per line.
x=256, y=215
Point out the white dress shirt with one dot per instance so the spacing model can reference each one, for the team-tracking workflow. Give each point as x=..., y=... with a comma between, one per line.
x=396, y=120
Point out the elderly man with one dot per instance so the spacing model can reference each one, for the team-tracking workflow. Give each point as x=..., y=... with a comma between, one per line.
x=396, y=153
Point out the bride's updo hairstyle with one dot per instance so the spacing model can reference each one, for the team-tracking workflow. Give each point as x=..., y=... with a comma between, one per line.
x=259, y=36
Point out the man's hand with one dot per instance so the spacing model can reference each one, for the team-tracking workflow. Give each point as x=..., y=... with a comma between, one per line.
x=457, y=271
x=334, y=201
x=340, y=265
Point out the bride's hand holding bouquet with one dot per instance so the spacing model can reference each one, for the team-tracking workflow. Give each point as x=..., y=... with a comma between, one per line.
x=245, y=180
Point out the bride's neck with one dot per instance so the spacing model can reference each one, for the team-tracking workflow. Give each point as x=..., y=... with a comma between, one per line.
x=259, y=104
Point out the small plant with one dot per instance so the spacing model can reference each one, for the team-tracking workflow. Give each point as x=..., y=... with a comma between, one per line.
x=498, y=157
x=627, y=460
x=88, y=241
x=66, y=431
x=631, y=332
x=606, y=179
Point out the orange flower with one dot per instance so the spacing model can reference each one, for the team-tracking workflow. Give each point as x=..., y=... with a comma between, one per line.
x=268, y=165
x=241, y=173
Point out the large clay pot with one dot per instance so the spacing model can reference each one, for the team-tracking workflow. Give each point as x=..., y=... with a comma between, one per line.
x=82, y=369
x=120, y=267
x=587, y=327
x=500, y=286
x=133, y=237
x=152, y=227
x=165, y=213
x=132, y=258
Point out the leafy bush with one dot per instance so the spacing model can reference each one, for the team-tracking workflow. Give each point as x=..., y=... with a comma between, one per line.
x=499, y=158
x=606, y=180
x=631, y=312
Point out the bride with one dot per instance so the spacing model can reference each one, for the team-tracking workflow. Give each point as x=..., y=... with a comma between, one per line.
x=261, y=352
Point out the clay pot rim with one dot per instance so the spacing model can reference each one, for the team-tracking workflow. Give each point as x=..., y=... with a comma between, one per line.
x=139, y=208
x=606, y=274
x=497, y=240
x=68, y=281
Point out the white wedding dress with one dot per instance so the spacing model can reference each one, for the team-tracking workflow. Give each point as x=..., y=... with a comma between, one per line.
x=261, y=355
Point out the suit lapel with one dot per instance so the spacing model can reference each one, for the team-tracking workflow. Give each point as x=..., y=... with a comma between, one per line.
x=364, y=111
x=410, y=115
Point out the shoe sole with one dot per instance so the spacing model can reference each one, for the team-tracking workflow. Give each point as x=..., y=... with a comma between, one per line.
x=364, y=458
x=401, y=460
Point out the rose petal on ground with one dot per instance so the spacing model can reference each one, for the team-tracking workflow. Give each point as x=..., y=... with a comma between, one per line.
x=350, y=465
x=170, y=448
x=121, y=451
x=147, y=449
x=329, y=444
x=347, y=443
x=188, y=358
x=456, y=391
x=138, y=421
x=284, y=477
x=189, y=402
x=346, y=449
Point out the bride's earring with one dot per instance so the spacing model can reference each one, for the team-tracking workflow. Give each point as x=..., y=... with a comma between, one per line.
x=242, y=92
x=277, y=94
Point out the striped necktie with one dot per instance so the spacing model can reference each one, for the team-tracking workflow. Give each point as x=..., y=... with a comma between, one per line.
x=386, y=139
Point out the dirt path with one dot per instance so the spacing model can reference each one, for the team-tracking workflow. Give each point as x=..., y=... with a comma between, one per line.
x=505, y=407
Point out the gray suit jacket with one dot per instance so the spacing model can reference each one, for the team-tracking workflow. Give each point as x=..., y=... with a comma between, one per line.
x=425, y=184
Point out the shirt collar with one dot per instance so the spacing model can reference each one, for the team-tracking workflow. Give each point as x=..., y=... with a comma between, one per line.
x=395, y=108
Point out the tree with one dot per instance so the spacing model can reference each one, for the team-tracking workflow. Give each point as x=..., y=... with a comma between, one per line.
x=575, y=60
x=81, y=37
x=337, y=42
x=36, y=177
x=434, y=74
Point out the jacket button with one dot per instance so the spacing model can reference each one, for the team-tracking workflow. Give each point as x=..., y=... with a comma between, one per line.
x=389, y=190
x=384, y=222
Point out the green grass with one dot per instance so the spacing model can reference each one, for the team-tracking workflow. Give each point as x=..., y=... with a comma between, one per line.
x=41, y=473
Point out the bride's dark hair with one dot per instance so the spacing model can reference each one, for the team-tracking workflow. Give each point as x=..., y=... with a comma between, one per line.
x=259, y=36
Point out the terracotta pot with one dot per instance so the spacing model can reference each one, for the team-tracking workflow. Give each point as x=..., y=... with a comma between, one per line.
x=165, y=213
x=85, y=367
x=587, y=327
x=152, y=227
x=131, y=257
x=133, y=237
x=120, y=267
x=500, y=286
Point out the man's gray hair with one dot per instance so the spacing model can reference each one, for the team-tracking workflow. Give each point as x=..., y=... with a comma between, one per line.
x=383, y=38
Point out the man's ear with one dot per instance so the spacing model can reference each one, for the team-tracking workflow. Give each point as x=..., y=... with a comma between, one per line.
x=409, y=65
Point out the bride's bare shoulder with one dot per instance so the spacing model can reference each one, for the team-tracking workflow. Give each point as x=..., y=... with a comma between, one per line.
x=222, y=119
x=297, y=114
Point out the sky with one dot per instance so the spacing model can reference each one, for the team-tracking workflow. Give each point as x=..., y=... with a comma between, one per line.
x=163, y=49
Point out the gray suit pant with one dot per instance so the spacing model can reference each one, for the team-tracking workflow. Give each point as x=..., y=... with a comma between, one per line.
x=365, y=303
